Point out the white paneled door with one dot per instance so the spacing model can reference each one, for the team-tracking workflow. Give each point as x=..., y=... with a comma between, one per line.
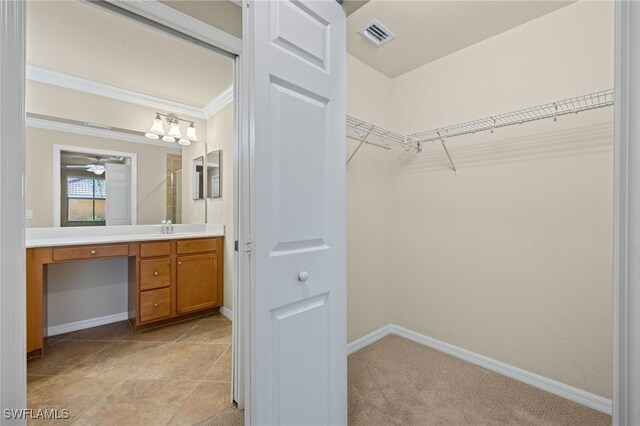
x=297, y=55
x=118, y=194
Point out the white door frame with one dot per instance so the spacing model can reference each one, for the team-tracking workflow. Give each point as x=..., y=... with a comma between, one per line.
x=12, y=172
x=626, y=266
x=12, y=166
x=13, y=296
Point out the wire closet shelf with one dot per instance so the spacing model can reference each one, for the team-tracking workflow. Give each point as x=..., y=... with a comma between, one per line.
x=374, y=135
x=551, y=110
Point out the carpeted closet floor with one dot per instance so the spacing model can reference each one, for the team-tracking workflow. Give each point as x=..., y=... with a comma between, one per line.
x=399, y=382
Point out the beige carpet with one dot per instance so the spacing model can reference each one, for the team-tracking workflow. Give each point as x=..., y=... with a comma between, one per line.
x=229, y=417
x=398, y=382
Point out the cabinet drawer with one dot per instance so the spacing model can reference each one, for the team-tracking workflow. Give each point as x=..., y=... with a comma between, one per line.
x=161, y=248
x=155, y=273
x=196, y=246
x=155, y=304
x=89, y=252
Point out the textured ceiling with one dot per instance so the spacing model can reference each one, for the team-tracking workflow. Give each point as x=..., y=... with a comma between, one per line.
x=427, y=30
x=86, y=41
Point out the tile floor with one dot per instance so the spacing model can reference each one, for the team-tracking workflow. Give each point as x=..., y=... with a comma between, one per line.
x=178, y=374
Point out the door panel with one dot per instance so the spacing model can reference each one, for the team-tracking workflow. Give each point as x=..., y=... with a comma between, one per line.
x=117, y=190
x=298, y=157
x=299, y=30
x=297, y=98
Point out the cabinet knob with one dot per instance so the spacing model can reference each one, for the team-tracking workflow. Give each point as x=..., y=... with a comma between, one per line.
x=155, y=305
x=155, y=274
x=180, y=263
x=303, y=276
x=93, y=252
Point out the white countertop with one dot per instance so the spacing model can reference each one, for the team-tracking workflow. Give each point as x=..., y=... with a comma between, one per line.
x=69, y=236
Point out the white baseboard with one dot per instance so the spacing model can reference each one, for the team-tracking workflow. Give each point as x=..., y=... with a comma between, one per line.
x=88, y=323
x=228, y=313
x=370, y=338
x=571, y=393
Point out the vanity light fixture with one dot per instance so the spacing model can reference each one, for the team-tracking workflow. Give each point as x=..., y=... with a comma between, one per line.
x=174, y=133
x=174, y=130
x=191, y=133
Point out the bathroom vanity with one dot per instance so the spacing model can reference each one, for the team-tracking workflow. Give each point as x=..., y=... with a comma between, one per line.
x=172, y=277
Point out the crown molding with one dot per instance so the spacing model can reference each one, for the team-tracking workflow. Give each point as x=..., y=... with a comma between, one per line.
x=223, y=99
x=39, y=123
x=54, y=78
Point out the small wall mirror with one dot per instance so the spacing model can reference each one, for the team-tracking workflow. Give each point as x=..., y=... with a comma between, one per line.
x=198, y=178
x=214, y=174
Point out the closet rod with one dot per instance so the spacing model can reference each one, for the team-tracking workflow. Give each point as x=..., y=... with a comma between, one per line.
x=553, y=110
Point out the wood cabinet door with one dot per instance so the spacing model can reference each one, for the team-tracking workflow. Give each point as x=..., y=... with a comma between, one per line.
x=197, y=282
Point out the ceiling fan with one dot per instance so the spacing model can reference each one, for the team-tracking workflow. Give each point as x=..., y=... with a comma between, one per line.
x=96, y=168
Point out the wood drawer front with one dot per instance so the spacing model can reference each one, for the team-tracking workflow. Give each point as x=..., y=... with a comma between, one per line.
x=155, y=273
x=199, y=245
x=161, y=248
x=90, y=252
x=155, y=304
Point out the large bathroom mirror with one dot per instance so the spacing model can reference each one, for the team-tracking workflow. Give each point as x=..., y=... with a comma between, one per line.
x=198, y=178
x=83, y=178
x=95, y=96
x=214, y=174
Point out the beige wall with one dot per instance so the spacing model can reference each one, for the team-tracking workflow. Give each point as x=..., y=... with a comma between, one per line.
x=193, y=211
x=369, y=223
x=65, y=103
x=220, y=136
x=39, y=173
x=222, y=14
x=69, y=104
x=512, y=256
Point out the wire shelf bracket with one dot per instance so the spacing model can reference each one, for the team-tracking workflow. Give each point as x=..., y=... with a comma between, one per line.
x=374, y=135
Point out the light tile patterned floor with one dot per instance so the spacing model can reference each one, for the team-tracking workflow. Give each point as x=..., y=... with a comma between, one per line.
x=178, y=374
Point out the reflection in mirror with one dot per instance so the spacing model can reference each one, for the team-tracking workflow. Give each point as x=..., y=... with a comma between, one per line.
x=214, y=174
x=86, y=177
x=92, y=95
x=174, y=188
x=198, y=178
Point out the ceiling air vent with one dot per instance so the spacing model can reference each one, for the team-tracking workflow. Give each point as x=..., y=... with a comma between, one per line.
x=377, y=33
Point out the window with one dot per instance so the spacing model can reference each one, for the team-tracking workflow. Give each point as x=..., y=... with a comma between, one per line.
x=85, y=201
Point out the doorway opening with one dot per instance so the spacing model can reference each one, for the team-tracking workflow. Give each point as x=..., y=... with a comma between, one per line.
x=167, y=316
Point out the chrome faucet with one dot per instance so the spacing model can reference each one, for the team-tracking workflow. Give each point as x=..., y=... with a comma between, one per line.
x=167, y=227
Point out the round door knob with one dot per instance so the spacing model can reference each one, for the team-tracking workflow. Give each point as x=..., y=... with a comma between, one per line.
x=93, y=252
x=155, y=305
x=155, y=274
x=303, y=276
